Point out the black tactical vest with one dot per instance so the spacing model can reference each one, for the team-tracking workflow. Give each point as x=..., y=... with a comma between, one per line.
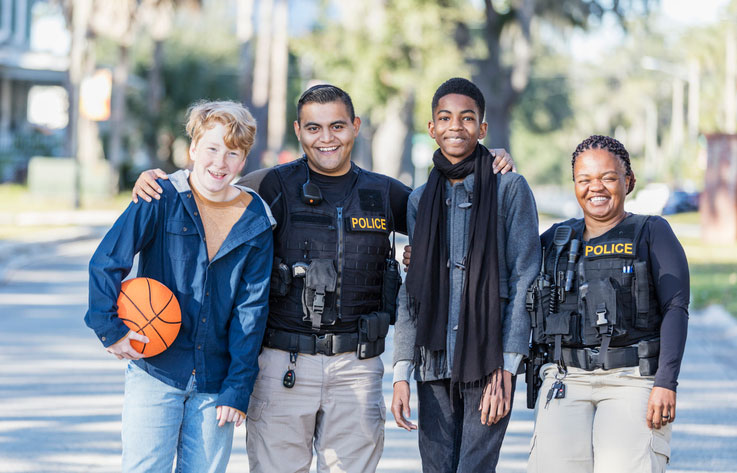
x=354, y=236
x=612, y=295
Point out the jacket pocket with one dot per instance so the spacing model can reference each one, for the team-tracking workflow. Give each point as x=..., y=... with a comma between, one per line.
x=182, y=240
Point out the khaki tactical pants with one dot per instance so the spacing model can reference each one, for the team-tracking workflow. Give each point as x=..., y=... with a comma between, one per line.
x=336, y=404
x=599, y=426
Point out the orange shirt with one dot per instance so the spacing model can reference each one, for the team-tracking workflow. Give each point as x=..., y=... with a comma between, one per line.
x=219, y=217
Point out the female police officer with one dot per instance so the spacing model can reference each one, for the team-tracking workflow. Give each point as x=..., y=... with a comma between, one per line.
x=609, y=314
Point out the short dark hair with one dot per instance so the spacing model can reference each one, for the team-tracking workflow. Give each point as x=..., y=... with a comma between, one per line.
x=325, y=93
x=459, y=85
x=606, y=143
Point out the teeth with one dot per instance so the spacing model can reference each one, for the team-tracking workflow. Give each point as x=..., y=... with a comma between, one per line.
x=217, y=174
x=598, y=199
x=326, y=150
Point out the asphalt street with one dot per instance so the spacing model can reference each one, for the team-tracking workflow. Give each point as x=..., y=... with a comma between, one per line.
x=61, y=393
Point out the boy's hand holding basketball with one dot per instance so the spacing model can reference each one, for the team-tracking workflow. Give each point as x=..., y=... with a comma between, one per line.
x=229, y=414
x=123, y=349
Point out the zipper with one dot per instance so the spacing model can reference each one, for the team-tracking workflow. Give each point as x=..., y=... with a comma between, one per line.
x=340, y=261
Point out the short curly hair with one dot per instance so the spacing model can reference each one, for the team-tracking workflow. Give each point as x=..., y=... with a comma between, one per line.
x=239, y=123
x=606, y=143
x=459, y=85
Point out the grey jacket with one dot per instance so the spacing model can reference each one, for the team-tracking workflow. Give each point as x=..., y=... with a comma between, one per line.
x=519, y=263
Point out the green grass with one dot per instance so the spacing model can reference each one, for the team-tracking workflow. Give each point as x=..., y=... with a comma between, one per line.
x=713, y=274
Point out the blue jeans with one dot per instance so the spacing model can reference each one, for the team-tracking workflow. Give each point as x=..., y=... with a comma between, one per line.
x=451, y=436
x=161, y=422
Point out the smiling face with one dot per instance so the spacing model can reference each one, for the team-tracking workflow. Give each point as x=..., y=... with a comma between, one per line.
x=215, y=165
x=600, y=185
x=327, y=133
x=456, y=126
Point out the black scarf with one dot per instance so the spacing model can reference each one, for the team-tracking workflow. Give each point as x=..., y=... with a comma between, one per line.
x=478, y=349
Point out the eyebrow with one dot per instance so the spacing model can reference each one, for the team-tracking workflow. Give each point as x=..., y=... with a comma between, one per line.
x=462, y=111
x=583, y=174
x=337, y=122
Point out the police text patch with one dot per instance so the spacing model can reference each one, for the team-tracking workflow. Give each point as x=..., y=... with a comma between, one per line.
x=609, y=249
x=367, y=224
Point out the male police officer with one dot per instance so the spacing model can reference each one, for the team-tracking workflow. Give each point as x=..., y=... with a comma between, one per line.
x=331, y=297
x=320, y=378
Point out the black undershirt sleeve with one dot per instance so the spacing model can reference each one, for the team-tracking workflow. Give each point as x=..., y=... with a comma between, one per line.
x=669, y=269
x=398, y=195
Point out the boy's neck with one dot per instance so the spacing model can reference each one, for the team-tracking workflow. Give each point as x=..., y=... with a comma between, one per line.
x=226, y=194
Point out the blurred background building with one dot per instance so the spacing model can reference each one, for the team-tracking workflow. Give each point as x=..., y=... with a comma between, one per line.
x=34, y=48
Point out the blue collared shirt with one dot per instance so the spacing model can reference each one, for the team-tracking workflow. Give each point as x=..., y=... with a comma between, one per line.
x=224, y=302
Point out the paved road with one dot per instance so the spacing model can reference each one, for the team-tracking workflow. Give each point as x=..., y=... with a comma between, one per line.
x=61, y=394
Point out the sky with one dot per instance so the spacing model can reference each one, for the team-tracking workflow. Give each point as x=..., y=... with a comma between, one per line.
x=588, y=45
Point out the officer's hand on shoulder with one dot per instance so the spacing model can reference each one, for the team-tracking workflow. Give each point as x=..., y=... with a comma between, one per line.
x=503, y=162
x=146, y=185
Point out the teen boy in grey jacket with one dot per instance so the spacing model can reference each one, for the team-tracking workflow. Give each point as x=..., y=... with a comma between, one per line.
x=452, y=435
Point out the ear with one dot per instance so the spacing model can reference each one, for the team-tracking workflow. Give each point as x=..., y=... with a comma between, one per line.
x=296, y=129
x=192, y=150
x=630, y=182
x=482, y=130
x=356, y=125
x=431, y=128
x=242, y=165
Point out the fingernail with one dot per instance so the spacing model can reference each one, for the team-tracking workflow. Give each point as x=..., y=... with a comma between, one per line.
x=158, y=190
x=158, y=197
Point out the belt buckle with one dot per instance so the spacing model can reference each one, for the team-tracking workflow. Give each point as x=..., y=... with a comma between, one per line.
x=324, y=344
x=592, y=359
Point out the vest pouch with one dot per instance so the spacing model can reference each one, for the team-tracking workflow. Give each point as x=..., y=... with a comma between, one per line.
x=372, y=331
x=318, y=294
x=641, y=293
x=281, y=278
x=537, y=306
x=562, y=323
x=599, y=304
x=391, y=280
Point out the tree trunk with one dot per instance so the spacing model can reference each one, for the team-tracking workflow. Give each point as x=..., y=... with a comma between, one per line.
x=155, y=96
x=244, y=32
x=279, y=72
x=260, y=90
x=391, y=137
x=500, y=84
x=117, y=115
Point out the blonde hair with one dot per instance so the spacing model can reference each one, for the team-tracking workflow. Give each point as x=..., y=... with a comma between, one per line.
x=239, y=123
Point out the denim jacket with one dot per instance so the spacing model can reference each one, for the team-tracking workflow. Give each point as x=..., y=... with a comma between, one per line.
x=224, y=302
x=519, y=262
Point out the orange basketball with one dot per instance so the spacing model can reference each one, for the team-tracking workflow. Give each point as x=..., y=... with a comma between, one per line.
x=149, y=308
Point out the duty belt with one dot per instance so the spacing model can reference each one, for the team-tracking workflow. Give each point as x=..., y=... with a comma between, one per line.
x=328, y=344
x=589, y=358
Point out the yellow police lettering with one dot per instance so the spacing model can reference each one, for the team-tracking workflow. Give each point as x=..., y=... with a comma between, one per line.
x=368, y=223
x=598, y=249
x=628, y=248
x=619, y=248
